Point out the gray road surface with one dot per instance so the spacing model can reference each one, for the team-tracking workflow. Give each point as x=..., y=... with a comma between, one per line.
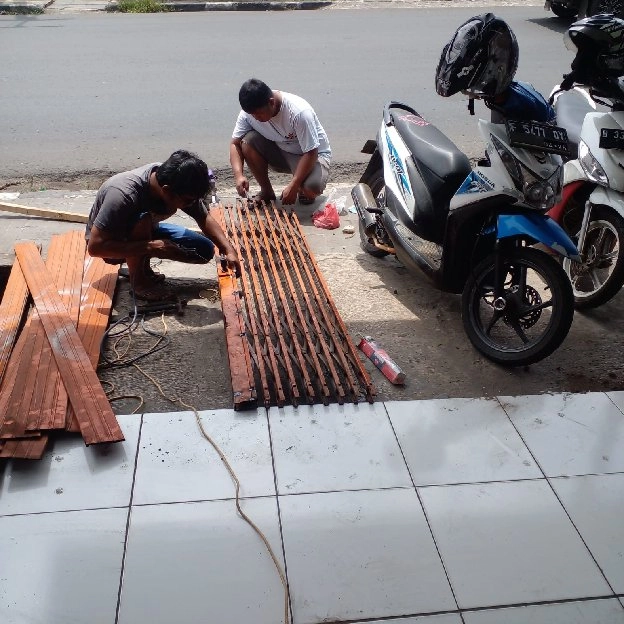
x=85, y=92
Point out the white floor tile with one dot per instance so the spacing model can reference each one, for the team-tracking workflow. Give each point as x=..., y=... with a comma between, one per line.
x=339, y=447
x=587, y=612
x=356, y=555
x=61, y=568
x=460, y=441
x=447, y=618
x=570, y=434
x=509, y=543
x=200, y=562
x=176, y=463
x=618, y=398
x=73, y=476
x=596, y=506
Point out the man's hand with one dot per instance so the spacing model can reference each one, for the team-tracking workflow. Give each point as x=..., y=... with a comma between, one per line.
x=168, y=250
x=242, y=186
x=289, y=194
x=233, y=262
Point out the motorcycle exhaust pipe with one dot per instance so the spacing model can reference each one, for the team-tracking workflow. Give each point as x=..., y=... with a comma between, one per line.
x=365, y=203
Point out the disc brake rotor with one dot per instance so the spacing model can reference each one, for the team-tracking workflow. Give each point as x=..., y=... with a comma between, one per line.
x=531, y=298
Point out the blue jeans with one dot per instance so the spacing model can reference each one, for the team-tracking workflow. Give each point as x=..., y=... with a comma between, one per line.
x=193, y=241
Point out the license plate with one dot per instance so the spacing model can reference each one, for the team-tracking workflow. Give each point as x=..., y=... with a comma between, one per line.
x=610, y=138
x=540, y=136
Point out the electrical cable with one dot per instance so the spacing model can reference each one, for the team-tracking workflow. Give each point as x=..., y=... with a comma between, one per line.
x=129, y=324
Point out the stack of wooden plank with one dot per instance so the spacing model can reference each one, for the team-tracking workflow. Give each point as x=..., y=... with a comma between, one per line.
x=47, y=363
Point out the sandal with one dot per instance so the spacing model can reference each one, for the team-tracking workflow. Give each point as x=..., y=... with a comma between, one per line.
x=306, y=201
x=259, y=198
x=154, y=293
x=154, y=276
x=150, y=275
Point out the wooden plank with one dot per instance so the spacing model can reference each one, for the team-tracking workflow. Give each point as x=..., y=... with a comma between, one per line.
x=95, y=416
x=33, y=448
x=14, y=384
x=36, y=408
x=11, y=313
x=98, y=288
x=69, y=283
x=47, y=213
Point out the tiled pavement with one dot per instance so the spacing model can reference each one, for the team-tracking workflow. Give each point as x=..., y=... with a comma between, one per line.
x=499, y=511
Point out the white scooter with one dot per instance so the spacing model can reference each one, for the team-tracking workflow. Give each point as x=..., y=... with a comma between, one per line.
x=591, y=209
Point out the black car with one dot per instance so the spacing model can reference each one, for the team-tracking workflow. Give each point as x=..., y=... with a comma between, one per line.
x=583, y=8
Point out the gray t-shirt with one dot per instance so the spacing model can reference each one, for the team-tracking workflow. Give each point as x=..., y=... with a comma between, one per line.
x=295, y=129
x=123, y=198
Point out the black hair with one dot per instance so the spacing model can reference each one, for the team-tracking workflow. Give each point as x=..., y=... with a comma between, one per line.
x=254, y=94
x=185, y=174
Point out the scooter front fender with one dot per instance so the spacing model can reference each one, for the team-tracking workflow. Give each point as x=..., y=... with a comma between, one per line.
x=602, y=196
x=540, y=228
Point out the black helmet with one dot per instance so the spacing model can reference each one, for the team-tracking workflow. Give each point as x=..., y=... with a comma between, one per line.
x=599, y=45
x=481, y=58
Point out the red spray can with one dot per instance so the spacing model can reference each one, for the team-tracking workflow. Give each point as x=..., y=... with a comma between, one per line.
x=381, y=360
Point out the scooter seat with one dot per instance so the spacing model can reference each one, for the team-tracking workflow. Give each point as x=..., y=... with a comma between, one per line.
x=433, y=149
x=438, y=171
x=571, y=108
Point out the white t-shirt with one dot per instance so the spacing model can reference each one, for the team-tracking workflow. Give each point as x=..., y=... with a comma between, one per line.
x=295, y=129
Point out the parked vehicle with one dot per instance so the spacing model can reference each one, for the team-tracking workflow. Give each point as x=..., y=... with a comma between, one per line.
x=591, y=209
x=469, y=230
x=584, y=8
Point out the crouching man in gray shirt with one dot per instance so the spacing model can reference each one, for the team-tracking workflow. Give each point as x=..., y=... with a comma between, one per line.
x=125, y=223
x=279, y=131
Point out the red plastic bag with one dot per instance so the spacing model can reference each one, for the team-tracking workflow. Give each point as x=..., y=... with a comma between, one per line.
x=327, y=218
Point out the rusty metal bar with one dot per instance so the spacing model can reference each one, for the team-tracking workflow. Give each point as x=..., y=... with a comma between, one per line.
x=311, y=320
x=295, y=335
x=300, y=315
x=233, y=234
x=281, y=399
x=293, y=224
x=241, y=373
x=312, y=285
x=273, y=305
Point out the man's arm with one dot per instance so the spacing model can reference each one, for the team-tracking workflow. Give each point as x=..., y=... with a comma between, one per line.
x=213, y=231
x=238, y=162
x=303, y=170
x=103, y=245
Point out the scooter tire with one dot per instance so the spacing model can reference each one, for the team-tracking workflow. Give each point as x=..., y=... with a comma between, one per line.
x=561, y=10
x=479, y=330
x=613, y=284
x=376, y=184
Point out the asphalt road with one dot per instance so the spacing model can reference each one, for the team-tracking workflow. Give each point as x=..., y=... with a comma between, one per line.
x=85, y=93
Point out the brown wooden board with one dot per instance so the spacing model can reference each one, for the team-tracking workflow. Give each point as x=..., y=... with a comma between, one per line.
x=32, y=448
x=12, y=310
x=98, y=288
x=95, y=416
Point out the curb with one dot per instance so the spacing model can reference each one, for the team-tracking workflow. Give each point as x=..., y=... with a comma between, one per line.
x=260, y=5
x=39, y=7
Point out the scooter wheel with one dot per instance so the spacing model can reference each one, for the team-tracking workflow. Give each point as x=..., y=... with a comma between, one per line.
x=600, y=275
x=530, y=319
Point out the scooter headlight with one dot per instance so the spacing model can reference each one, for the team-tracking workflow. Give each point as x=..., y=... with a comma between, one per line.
x=539, y=193
x=592, y=168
